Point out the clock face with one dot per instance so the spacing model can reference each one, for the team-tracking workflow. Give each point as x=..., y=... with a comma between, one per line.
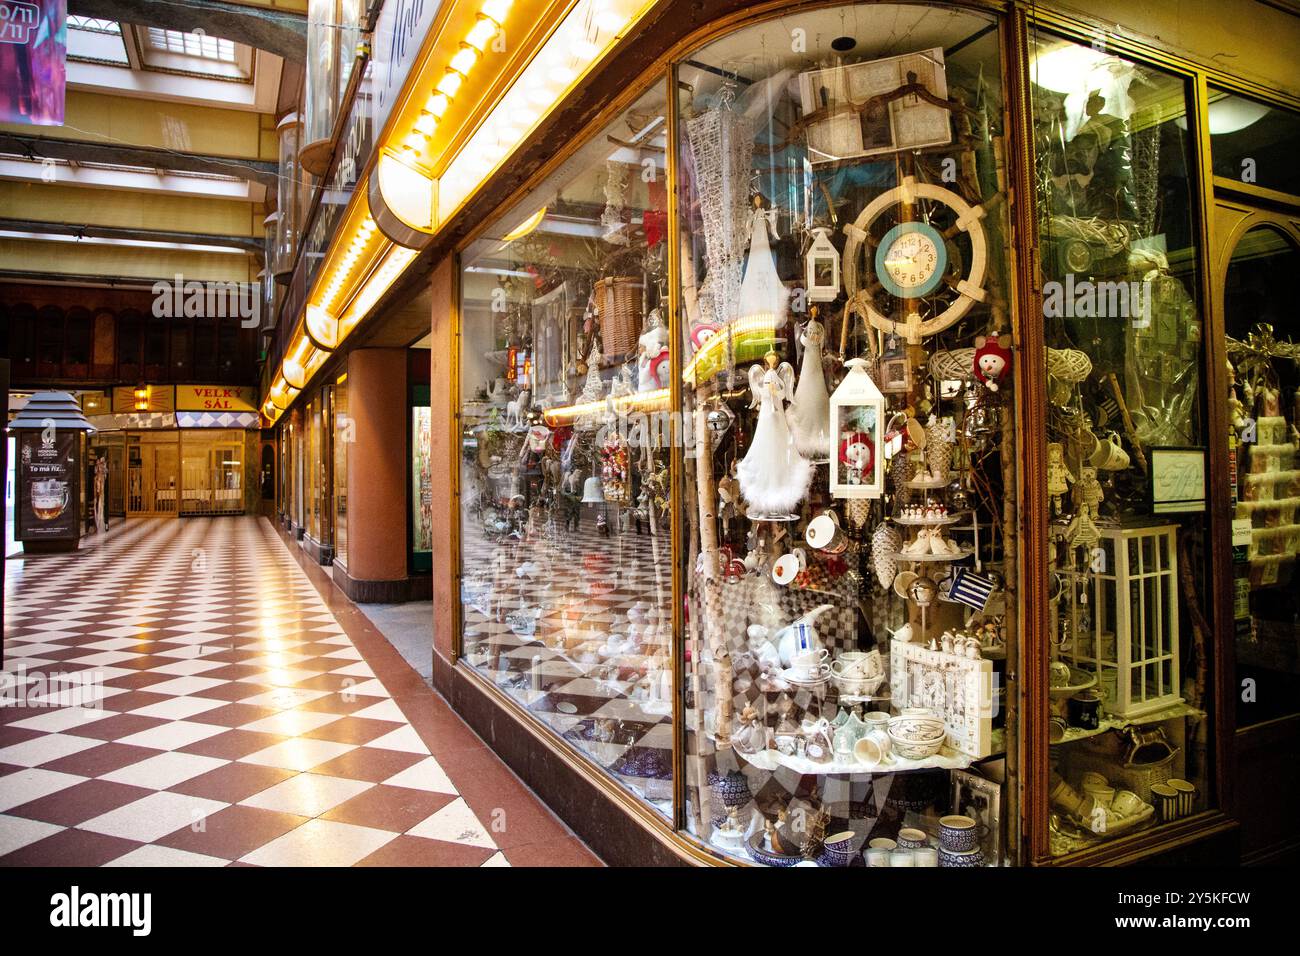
x=910, y=260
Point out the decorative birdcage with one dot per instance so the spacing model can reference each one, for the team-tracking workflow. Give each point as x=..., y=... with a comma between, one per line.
x=1122, y=617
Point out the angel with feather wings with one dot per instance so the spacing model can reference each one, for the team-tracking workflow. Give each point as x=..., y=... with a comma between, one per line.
x=773, y=476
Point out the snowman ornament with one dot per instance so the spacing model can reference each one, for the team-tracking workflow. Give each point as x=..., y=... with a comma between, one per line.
x=992, y=361
x=857, y=455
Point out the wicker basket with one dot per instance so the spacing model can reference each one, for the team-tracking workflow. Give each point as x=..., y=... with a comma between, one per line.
x=1124, y=770
x=618, y=304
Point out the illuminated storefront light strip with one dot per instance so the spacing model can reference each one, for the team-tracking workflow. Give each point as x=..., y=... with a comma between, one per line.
x=413, y=144
x=587, y=33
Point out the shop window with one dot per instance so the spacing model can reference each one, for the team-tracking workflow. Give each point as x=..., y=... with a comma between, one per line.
x=49, y=341
x=181, y=349
x=130, y=328
x=850, y=461
x=20, y=326
x=77, y=344
x=155, y=350
x=1130, y=646
x=1254, y=144
x=421, y=478
x=343, y=439
x=565, y=556
x=205, y=348
x=1264, y=410
x=228, y=351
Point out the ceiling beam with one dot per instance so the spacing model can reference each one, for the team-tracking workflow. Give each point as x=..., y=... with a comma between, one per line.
x=281, y=32
x=249, y=244
x=39, y=147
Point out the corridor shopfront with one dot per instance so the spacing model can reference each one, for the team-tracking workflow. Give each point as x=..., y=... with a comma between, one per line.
x=872, y=438
x=192, y=451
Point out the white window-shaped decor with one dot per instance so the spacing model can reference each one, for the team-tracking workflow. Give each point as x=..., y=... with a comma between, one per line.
x=822, y=269
x=1123, y=619
x=857, y=416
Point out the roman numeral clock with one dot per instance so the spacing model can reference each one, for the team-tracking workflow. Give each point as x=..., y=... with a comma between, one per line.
x=922, y=277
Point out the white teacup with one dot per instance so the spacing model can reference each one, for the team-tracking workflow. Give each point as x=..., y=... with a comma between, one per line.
x=825, y=534
x=787, y=567
x=808, y=665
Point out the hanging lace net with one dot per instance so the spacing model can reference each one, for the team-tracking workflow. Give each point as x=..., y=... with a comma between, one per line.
x=722, y=144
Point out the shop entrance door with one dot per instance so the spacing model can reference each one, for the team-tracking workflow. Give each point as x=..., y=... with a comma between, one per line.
x=1257, y=260
x=152, y=477
x=212, y=471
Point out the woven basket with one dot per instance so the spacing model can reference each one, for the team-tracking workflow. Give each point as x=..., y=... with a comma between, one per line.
x=618, y=304
x=1121, y=770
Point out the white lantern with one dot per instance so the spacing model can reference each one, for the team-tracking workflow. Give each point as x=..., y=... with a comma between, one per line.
x=822, y=269
x=857, y=425
x=1123, y=616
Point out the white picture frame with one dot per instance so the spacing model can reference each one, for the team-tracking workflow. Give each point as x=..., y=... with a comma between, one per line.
x=908, y=123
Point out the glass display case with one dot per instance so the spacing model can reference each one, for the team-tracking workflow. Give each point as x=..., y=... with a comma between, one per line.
x=1126, y=441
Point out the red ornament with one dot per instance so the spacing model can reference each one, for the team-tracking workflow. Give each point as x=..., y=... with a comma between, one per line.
x=992, y=361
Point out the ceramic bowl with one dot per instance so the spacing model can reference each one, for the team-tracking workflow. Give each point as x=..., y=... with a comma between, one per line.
x=767, y=857
x=958, y=834
x=917, y=727
x=858, y=687
x=837, y=850
x=914, y=749
x=912, y=839
x=960, y=859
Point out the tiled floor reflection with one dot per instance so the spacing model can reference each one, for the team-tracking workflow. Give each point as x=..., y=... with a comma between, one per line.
x=237, y=716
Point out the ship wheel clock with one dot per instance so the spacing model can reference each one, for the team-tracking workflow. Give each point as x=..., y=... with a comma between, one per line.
x=907, y=238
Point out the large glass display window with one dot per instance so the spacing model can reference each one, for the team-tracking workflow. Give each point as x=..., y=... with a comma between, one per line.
x=850, y=523
x=566, y=567
x=1130, y=654
x=344, y=435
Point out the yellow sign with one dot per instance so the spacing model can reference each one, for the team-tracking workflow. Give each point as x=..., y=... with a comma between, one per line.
x=215, y=398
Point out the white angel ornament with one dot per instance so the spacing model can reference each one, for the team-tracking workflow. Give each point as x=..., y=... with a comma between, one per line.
x=810, y=414
x=773, y=476
x=763, y=296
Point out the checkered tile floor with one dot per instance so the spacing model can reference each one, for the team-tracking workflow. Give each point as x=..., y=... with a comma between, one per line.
x=236, y=720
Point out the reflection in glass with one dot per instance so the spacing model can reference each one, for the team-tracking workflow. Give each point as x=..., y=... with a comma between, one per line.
x=1253, y=143
x=1264, y=410
x=567, y=574
x=1129, y=641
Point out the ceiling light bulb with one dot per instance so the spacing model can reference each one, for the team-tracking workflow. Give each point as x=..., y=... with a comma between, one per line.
x=496, y=9
x=610, y=21
x=482, y=33
x=426, y=124
x=464, y=60
x=437, y=104
x=415, y=141
x=450, y=83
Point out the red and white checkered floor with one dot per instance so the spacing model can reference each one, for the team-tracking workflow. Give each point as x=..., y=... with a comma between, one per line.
x=245, y=713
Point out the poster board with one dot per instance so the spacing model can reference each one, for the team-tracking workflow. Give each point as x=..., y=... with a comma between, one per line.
x=47, y=498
